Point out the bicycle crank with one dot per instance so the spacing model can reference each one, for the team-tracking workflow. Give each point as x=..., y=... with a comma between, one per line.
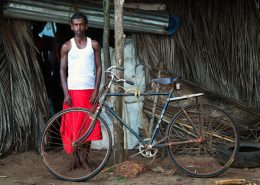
x=147, y=150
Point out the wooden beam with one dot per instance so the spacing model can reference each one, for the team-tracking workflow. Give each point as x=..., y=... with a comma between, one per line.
x=145, y=6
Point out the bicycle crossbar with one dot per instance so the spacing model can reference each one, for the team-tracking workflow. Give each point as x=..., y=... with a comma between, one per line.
x=186, y=96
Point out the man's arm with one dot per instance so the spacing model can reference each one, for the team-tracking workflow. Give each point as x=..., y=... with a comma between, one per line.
x=63, y=72
x=97, y=58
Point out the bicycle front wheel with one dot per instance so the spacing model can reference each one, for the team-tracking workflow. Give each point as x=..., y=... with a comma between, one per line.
x=198, y=134
x=75, y=162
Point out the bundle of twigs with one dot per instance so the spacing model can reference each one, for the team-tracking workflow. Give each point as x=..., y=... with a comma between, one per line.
x=24, y=103
x=217, y=47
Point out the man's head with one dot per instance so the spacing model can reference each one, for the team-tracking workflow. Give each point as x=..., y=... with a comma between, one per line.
x=79, y=15
x=79, y=24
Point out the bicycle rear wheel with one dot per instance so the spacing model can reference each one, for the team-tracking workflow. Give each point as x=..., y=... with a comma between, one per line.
x=202, y=159
x=87, y=158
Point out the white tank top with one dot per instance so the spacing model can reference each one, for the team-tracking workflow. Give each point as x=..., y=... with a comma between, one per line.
x=81, y=67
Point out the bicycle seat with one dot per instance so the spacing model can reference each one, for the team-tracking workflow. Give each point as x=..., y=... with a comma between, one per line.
x=165, y=81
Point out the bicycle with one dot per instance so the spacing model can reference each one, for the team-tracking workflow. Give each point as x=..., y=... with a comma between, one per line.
x=194, y=136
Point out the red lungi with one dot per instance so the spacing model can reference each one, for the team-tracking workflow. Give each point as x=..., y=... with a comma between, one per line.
x=75, y=124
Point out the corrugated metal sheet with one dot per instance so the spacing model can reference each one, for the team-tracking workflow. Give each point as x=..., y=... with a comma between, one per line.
x=60, y=12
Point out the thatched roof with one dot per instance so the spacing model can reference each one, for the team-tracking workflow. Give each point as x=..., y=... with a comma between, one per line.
x=217, y=47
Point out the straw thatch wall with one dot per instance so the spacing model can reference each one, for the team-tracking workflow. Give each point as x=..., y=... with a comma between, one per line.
x=23, y=99
x=217, y=47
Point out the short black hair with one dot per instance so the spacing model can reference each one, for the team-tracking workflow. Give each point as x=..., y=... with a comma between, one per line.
x=79, y=15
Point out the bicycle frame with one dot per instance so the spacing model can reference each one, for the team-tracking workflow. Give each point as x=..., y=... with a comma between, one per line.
x=122, y=122
x=170, y=98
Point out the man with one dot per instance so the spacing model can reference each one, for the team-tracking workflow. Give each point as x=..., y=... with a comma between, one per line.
x=80, y=72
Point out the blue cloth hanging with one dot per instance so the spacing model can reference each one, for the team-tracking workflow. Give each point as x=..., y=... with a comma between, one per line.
x=49, y=30
x=174, y=23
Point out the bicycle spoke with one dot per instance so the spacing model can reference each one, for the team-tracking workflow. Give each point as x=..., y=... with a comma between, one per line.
x=202, y=159
x=86, y=159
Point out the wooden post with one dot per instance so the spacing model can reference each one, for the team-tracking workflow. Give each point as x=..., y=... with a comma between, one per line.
x=119, y=58
x=107, y=62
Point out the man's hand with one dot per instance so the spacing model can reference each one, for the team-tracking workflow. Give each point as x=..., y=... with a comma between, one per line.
x=68, y=100
x=94, y=97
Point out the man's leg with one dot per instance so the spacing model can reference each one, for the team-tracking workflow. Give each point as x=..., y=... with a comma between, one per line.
x=76, y=162
x=83, y=154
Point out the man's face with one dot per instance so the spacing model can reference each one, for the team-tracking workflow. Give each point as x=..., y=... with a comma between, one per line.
x=78, y=26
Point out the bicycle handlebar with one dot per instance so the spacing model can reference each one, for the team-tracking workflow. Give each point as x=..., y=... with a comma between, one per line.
x=115, y=67
x=121, y=69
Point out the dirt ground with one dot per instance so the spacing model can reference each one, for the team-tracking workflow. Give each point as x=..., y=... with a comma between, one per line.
x=28, y=169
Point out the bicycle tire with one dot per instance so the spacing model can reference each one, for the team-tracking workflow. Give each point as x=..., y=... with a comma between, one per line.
x=201, y=159
x=56, y=159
